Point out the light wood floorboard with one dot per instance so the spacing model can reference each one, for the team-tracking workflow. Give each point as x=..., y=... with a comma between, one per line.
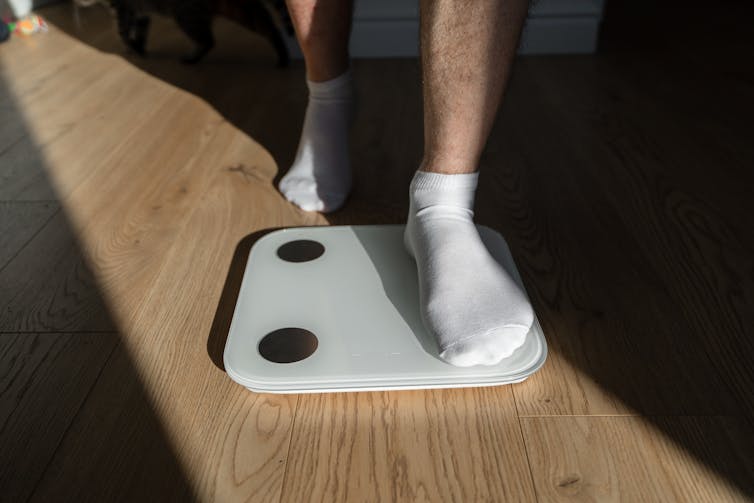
x=623, y=459
x=131, y=191
x=408, y=446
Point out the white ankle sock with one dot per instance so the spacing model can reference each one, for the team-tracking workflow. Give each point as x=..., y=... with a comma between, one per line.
x=320, y=177
x=469, y=303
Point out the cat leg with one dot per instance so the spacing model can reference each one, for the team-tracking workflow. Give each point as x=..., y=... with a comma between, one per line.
x=140, y=32
x=127, y=23
x=196, y=22
x=258, y=17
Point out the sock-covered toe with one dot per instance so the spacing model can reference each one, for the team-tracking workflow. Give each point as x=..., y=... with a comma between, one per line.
x=486, y=349
x=320, y=177
x=472, y=306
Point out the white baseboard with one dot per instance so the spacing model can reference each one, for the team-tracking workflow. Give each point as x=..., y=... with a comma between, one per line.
x=390, y=28
x=397, y=38
x=409, y=9
x=400, y=38
x=560, y=35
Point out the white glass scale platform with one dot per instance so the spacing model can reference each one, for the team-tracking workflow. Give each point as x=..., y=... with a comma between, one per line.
x=332, y=309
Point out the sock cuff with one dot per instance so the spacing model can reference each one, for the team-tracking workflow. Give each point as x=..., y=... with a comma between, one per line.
x=336, y=87
x=432, y=189
x=424, y=180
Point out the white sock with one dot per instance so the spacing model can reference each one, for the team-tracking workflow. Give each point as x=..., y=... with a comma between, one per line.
x=320, y=177
x=469, y=303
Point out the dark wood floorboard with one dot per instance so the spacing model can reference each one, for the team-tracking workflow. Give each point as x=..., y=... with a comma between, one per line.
x=622, y=182
x=696, y=250
x=44, y=379
x=116, y=437
x=19, y=223
x=48, y=285
x=22, y=171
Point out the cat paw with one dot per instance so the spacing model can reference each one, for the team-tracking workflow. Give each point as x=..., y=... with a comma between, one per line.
x=196, y=56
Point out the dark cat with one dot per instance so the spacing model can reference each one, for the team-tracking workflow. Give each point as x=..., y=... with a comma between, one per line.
x=194, y=17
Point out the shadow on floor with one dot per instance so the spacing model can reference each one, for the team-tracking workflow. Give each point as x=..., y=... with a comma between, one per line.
x=643, y=288
x=76, y=423
x=218, y=333
x=239, y=77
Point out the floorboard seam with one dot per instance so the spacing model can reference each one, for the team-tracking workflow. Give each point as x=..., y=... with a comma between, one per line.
x=73, y=420
x=29, y=201
x=60, y=332
x=288, y=453
x=639, y=416
x=31, y=238
x=13, y=144
x=187, y=218
x=526, y=450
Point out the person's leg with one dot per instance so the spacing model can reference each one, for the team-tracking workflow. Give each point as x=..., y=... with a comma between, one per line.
x=320, y=177
x=472, y=306
x=467, y=48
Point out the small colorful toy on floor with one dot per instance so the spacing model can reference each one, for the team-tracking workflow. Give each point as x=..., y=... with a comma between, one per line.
x=28, y=25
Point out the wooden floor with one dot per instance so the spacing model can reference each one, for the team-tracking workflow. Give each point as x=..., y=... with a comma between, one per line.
x=130, y=190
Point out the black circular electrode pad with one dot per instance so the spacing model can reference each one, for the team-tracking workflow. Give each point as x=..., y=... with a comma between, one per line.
x=288, y=345
x=301, y=250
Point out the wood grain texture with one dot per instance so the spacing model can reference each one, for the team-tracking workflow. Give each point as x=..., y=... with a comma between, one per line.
x=121, y=454
x=19, y=222
x=22, y=174
x=133, y=225
x=44, y=379
x=624, y=209
x=233, y=445
x=408, y=446
x=624, y=459
x=49, y=285
x=607, y=288
x=169, y=339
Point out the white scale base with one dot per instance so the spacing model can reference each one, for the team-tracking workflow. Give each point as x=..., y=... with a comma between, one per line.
x=360, y=299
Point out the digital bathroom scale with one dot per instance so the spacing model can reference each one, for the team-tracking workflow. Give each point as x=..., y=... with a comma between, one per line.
x=332, y=309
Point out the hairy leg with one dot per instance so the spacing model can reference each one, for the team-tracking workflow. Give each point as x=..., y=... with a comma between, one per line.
x=469, y=303
x=320, y=177
x=467, y=48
